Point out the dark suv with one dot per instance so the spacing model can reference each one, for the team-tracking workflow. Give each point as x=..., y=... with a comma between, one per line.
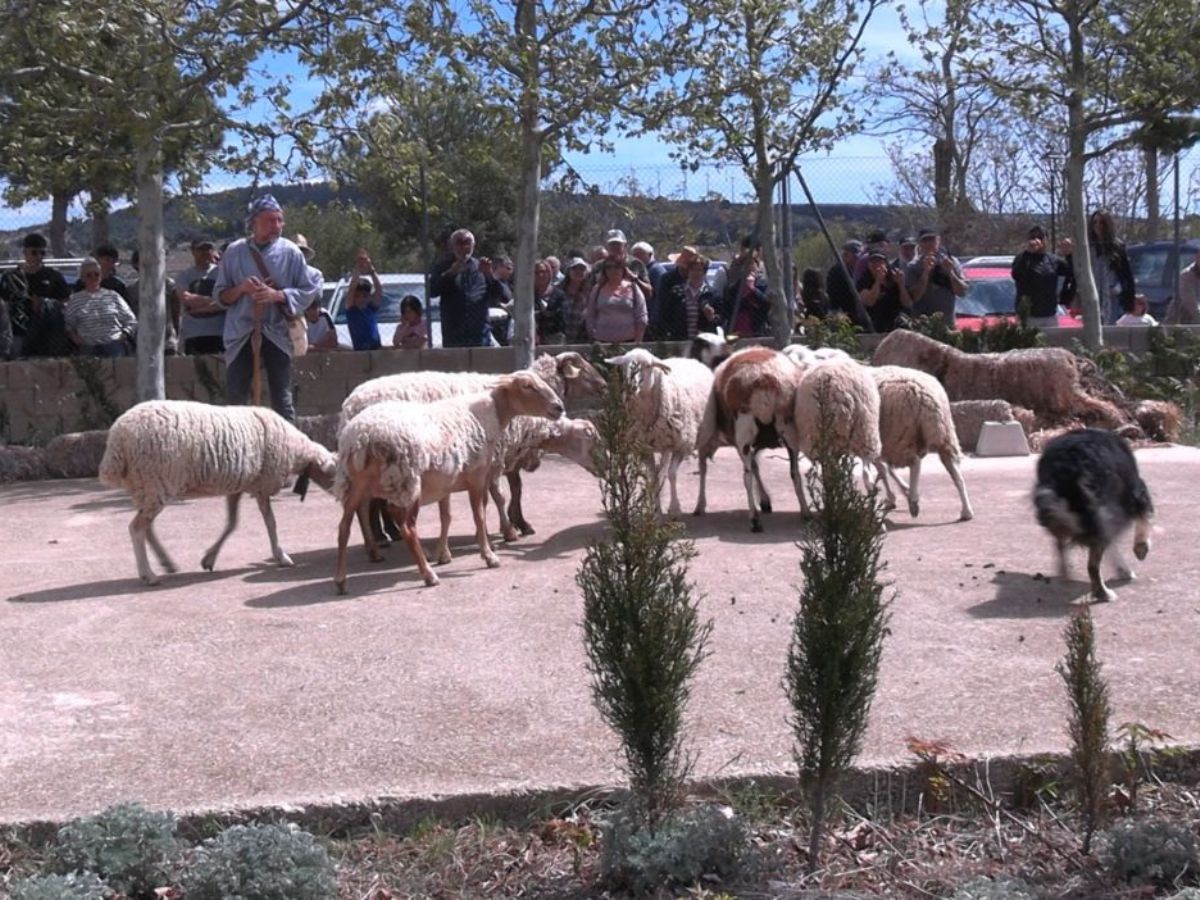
x=1154, y=266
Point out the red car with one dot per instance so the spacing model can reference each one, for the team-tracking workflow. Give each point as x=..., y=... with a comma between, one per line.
x=992, y=296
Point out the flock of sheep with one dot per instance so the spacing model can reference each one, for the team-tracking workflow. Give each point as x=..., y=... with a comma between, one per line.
x=409, y=440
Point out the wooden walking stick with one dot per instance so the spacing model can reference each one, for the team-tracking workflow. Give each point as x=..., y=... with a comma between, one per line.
x=256, y=378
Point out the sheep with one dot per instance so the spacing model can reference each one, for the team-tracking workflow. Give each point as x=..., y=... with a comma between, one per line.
x=1044, y=379
x=750, y=407
x=520, y=449
x=671, y=397
x=414, y=453
x=804, y=355
x=915, y=419
x=568, y=373
x=837, y=409
x=164, y=450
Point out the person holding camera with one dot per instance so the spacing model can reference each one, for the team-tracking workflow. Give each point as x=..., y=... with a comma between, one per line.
x=934, y=278
x=883, y=291
x=462, y=285
x=1036, y=271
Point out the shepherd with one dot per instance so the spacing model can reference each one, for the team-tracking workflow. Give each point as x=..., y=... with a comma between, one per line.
x=265, y=282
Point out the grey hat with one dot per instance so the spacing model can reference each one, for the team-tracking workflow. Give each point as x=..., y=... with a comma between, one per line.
x=616, y=235
x=576, y=261
x=853, y=246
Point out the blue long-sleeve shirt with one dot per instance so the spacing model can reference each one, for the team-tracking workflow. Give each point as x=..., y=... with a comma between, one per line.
x=290, y=273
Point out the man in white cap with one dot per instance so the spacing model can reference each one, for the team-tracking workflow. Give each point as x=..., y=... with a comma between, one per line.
x=263, y=280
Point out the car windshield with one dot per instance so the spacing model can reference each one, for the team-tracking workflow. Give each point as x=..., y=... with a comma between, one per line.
x=989, y=293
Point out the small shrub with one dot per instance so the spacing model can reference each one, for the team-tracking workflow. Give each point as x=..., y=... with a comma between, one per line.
x=1152, y=852
x=834, y=331
x=263, y=862
x=133, y=848
x=680, y=850
x=994, y=889
x=74, y=886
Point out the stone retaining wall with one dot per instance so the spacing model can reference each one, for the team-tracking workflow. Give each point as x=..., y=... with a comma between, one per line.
x=40, y=399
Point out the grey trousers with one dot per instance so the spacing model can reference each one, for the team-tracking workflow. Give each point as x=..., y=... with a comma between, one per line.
x=239, y=375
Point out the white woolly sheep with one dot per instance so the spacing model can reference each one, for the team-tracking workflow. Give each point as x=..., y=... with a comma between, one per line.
x=411, y=454
x=569, y=374
x=520, y=449
x=1044, y=379
x=751, y=407
x=915, y=419
x=670, y=399
x=165, y=450
x=837, y=409
x=803, y=355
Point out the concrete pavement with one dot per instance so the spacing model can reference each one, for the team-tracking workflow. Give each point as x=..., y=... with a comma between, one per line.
x=256, y=686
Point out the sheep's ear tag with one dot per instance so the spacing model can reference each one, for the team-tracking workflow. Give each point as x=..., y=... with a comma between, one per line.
x=301, y=487
x=571, y=371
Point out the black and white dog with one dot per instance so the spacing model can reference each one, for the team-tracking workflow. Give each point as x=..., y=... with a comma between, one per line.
x=1088, y=493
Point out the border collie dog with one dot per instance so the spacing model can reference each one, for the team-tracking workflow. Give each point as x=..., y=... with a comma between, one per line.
x=1088, y=493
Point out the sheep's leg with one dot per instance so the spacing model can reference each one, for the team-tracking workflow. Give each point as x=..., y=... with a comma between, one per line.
x=1061, y=545
x=1100, y=591
x=408, y=527
x=657, y=467
x=744, y=430
x=675, y=461
x=355, y=503
x=516, y=514
x=209, y=560
x=164, y=558
x=914, y=488
x=951, y=465
x=881, y=475
x=478, y=498
x=507, y=531
x=1121, y=565
x=366, y=511
x=373, y=521
x=702, y=499
x=797, y=480
x=264, y=507
x=443, y=546
x=138, y=529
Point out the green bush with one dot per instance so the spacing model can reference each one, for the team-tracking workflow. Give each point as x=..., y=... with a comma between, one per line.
x=75, y=886
x=994, y=889
x=834, y=331
x=261, y=862
x=996, y=337
x=683, y=848
x=1152, y=852
x=133, y=848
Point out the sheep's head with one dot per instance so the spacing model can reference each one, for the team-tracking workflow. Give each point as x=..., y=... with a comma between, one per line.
x=710, y=348
x=318, y=465
x=639, y=366
x=527, y=394
x=576, y=439
x=579, y=375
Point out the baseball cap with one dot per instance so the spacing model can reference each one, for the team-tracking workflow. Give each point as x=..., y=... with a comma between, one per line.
x=616, y=235
x=927, y=232
x=577, y=261
x=853, y=246
x=875, y=254
x=907, y=241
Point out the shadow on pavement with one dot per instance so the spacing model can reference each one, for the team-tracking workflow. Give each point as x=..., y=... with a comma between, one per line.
x=94, y=590
x=360, y=585
x=1022, y=596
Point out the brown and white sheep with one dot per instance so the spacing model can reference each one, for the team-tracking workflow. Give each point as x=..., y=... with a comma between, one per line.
x=411, y=454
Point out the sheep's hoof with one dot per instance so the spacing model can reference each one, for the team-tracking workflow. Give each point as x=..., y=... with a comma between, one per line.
x=150, y=580
x=1104, y=595
x=431, y=580
x=967, y=515
x=1124, y=573
x=765, y=505
x=510, y=536
x=375, y=556
x=914, y=508
x=444, y=558
x=341, y=587
x=170, y=566
x=888, y=505
x=756, y=527
x=208, y=563
x=526, y=529
x=493, y=561
x=699, y=510
x=284, y=560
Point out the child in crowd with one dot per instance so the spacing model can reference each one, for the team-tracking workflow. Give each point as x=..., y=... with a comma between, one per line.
x=410, y=331
x=322, y=335
x=1139, y=315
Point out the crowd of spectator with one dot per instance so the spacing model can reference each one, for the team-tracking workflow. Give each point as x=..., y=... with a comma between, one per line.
x=614, y=292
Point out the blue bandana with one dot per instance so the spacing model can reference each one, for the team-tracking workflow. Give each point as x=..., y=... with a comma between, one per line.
x=265, y=203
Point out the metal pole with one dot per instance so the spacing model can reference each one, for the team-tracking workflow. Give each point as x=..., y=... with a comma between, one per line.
x=789, y=285
x=425, y=246
x=1053, y=208
x=812, y=204
x=1175, y=270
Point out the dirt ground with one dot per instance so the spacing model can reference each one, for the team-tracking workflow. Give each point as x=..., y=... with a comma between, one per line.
x=256, y=686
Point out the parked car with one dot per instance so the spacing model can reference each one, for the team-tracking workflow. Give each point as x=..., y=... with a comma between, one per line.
x=395, y=287
x=992, y=295
x=1154, y=266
